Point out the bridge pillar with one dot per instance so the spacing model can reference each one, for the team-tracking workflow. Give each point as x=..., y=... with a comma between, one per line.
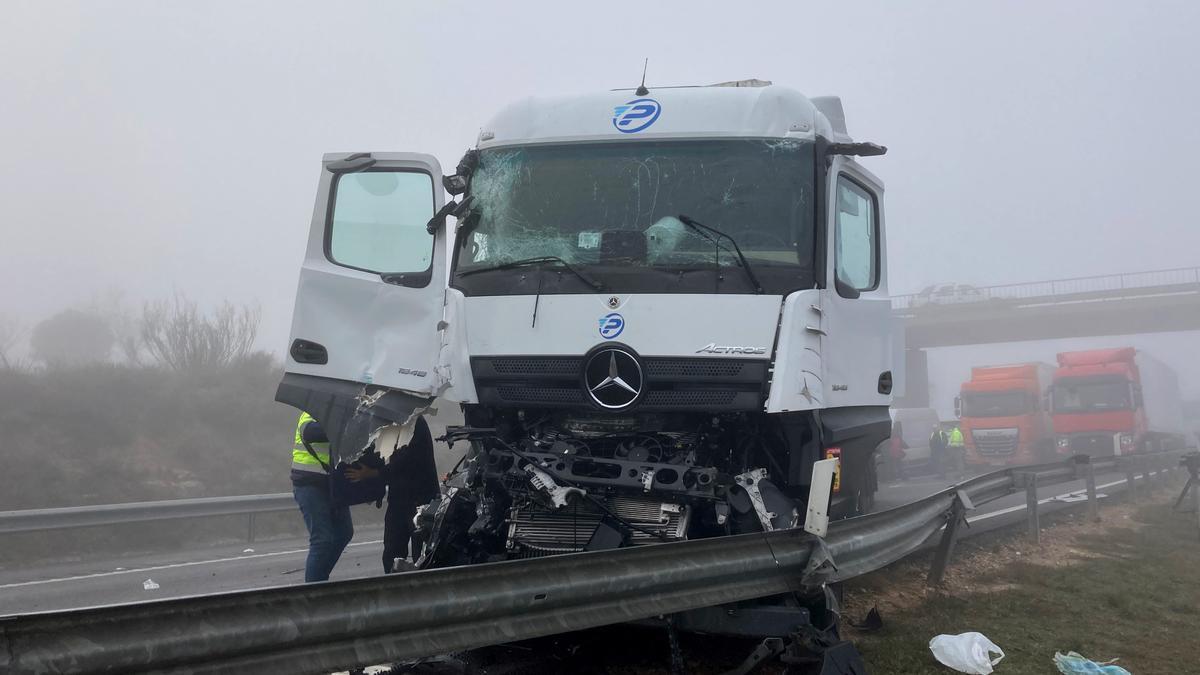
x=916, y=380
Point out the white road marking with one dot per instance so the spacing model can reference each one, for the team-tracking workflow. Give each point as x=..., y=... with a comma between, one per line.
x=194, y=563
x=1022, y=507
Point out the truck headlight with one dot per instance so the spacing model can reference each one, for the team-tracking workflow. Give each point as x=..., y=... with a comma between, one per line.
x=1126, y=441
x=1063, y=442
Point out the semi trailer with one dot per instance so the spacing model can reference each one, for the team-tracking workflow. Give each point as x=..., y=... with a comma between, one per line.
x=657, y=309
x=1115, y=402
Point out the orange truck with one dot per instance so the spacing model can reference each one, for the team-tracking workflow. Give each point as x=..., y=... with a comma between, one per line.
x=1002, y=415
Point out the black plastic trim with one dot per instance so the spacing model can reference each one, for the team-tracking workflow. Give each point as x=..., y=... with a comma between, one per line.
x=335, y=404
x=670, y=383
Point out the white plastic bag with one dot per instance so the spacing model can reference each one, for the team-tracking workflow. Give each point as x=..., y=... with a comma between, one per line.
x=966, y=652
x=150, y=585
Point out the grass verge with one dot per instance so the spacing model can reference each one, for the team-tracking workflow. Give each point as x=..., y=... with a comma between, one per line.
x=1127, y=587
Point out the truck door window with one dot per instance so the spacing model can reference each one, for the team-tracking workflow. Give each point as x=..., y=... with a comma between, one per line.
x=377, y=221
x=855, y=237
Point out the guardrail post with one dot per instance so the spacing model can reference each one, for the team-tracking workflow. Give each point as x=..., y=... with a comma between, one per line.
x=945, y=549
x=1031, y=505
x=250, y=529
x=1130, y=480
x=1089, y=472
x=1196, y=494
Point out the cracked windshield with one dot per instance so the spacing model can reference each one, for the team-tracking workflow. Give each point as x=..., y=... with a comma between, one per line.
x=605, y=204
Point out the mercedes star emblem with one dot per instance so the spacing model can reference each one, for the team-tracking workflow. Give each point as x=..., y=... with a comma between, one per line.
x=613, y=378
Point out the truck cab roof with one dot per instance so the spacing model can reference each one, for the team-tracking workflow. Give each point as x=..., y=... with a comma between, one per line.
x=743, y=109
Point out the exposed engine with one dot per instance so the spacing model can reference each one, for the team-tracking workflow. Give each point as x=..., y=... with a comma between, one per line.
x=550, y=482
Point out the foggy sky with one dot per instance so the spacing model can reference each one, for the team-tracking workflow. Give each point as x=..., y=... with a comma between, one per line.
x=160, y=146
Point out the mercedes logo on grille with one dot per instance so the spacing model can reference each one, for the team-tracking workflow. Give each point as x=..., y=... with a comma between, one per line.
x=613, y=378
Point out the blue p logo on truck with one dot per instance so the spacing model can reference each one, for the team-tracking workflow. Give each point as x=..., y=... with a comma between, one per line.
x=636, y=115
x=611, y=325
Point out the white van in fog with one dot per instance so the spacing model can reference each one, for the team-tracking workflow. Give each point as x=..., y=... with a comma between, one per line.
x=915, y=426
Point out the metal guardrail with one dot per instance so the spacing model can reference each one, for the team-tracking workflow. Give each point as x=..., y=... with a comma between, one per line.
x=1111, y=283
x=334, y=625
x=31, y=520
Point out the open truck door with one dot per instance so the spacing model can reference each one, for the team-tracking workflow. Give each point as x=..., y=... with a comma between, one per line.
x=365, y=331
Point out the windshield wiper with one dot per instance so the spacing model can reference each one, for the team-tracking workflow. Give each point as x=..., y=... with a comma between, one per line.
x=539, y=260
x=701, y=227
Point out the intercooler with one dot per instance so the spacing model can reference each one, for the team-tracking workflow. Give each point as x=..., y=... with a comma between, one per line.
x=536, y=530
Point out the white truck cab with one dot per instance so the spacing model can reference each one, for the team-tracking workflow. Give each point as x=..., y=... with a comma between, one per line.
x=665, y=305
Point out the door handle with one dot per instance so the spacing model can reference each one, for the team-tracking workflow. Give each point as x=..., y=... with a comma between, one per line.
x=304, y=351
x=885, y=382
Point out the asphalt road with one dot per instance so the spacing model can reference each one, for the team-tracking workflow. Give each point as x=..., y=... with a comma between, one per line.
x=277, y=563
x=184, y=573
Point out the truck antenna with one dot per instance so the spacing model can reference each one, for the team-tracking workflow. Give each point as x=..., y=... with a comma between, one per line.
x=642, y=90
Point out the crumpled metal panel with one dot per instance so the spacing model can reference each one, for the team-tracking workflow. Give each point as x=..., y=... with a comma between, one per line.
x=350, y=412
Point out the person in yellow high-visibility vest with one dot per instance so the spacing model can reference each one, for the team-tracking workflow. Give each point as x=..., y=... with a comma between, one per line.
x=329, y=528
x=956, y=439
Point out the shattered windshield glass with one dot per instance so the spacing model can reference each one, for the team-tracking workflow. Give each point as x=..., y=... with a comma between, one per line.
x=615, y=204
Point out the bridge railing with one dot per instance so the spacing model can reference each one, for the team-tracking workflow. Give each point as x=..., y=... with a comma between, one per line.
x=1060, y=289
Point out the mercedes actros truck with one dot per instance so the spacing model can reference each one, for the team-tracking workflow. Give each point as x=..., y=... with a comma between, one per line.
x=657, y=309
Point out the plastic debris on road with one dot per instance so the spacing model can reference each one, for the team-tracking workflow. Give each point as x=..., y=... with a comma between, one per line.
x=249, y=550
x=1073, y=663
x=150, y=585
x=967, y=652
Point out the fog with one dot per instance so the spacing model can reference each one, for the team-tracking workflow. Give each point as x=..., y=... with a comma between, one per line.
x=159, y=147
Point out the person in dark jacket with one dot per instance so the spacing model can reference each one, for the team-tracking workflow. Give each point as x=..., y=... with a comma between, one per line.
x=411, y=476
x=937, y=451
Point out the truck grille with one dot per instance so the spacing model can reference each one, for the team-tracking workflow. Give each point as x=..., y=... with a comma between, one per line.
x=994, y=442
x=671, y=383
x=1093, y=444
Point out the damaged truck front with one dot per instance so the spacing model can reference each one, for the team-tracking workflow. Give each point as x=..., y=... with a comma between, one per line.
x=661, y=309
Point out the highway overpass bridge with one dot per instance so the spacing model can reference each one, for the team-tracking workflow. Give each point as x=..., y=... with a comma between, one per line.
x=1118, y=304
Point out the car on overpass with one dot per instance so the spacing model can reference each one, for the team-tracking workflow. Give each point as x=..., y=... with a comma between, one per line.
x=948, y=294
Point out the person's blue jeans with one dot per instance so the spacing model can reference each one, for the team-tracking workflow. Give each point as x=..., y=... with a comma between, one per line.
x=329, y=530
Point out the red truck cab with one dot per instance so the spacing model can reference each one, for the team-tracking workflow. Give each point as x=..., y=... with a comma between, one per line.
x=1002, y=417
x=1115, y=402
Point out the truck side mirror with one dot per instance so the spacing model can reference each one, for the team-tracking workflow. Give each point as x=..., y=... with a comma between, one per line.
x=958, y=407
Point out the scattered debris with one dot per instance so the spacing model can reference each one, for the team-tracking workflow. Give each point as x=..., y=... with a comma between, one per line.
x=150, y=585
x=249, y=550
x=966, y=652
x=1072, y=663
x=872, y=622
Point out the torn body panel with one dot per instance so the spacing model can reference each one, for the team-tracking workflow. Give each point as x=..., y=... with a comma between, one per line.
x=350, y=412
